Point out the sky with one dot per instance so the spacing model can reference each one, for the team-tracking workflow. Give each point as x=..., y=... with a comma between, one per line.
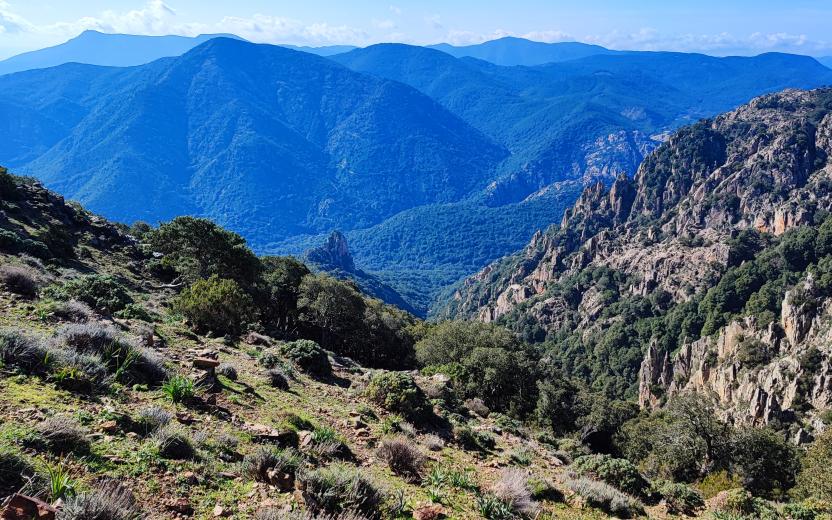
x=718, y=27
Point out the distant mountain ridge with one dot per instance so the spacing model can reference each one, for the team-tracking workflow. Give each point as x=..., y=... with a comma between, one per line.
x=114, y=50
x=126, y=50
x=510, y=51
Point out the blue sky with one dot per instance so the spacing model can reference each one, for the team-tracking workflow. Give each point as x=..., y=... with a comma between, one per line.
x=713, y=26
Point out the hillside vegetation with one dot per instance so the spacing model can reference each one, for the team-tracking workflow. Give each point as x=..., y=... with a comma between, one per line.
x=169, y=372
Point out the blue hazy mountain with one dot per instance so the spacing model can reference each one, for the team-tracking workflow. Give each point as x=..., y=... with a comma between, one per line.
x=326, y=50
x=519, y=51
x=552, y=117
x=267, y=141
x=96, y=48
x=431, y=165
x=826, y=61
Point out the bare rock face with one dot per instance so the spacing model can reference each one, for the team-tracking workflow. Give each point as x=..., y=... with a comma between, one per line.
x=666, y=233
x=335, y=253
x=728, y=369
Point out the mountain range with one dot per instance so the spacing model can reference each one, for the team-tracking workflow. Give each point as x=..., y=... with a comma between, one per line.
x=431, y=165
x=510, y=51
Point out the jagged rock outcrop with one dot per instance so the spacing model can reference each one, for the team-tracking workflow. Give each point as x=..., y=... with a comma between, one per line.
x=334, y=257
x=665, y=236
x=335, y=252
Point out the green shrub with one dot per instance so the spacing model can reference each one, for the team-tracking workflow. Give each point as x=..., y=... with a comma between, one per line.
x=815, y=477
x=471, y=439
x=339, y=488
x=101, y=292
x=765, y=461
x=307, y=355
x=215, y=305
x=179, y=388
x=134, y=311
x=197, y=248
x=679, y=498
x=492, y=508
x=620, y=473
x=397, y=392
x=258, y=464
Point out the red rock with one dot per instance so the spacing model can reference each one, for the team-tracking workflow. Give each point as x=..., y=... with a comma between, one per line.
x=204, y=363
x=430, y=512
x=181, y=505
x=22, y=507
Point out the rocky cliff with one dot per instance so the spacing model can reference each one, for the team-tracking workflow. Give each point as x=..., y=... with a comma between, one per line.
x=652, y=269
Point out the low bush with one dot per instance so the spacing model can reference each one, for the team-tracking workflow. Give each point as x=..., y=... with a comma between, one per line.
x=216, y=305
x=278, y=379
x=20, y=351
x=270, y=358
x=397, y=392
x=77, y=372
x=308, y=356
x=339, y=488
x=179, y=388
x=227, y=370
x=152, y=418
x=512, y=488
x=680, y=499
x=62, y=435
x=258, y=464
x=605, y=497
x=402, y=457
x=471, y=439
x=102, y=292
x=173, y=444
x=72, y=310
x=110, y=501
x=19, y=280
x=124, y=359
x=15, y=471
x=433, y=442
x=619, y=473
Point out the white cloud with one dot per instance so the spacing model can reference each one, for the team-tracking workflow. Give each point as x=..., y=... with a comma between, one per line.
x=277, y=29
x=11, y=23
x=396, y=10
x=384, y=24
x=718, y=43
x=434, y=21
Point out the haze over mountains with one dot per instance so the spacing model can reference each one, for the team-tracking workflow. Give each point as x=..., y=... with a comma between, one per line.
x=432, y=165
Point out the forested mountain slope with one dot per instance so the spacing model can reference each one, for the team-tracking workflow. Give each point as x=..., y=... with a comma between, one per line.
x=268, y=141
